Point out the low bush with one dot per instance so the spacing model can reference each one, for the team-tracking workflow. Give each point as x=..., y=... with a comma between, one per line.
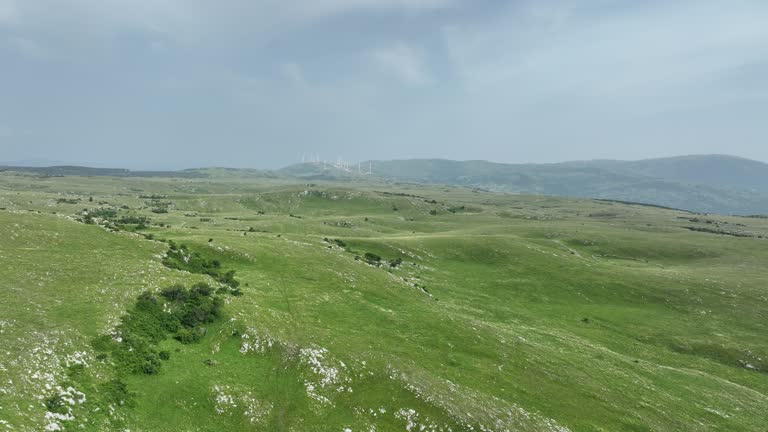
x=67, y=201
x=56, y=404
x=116, y=392
x=372, y=258
x=180, y=258
x=176, y=311
x=189, y=335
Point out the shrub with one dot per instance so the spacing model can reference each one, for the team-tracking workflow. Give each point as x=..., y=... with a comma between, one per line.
x=56, y=404
x=175, y=293
x=104, y=213
x=150, y=368
x=137, y=356
x=202, y=288
x=133, y=220
x=204, y=311
x=372, y=258
x=67, y=201
x=229, y=279
x=175, y=311
x=149, y=322
x=116, y=392
x=180, y=258
x=189, y=335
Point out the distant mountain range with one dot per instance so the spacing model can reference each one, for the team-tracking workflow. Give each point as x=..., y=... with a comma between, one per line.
x=705, y=183
x=74, y=170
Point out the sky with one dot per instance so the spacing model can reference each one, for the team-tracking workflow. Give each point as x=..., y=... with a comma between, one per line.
x=169, y=84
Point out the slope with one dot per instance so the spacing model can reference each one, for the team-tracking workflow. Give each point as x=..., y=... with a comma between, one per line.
x=709, y=184
x=389, y=308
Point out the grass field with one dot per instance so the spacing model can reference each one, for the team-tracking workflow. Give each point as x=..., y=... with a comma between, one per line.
x=484, y=312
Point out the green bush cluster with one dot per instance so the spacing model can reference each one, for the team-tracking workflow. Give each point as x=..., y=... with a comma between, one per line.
x=180, y=258
x=372, y=258
x=56, y=404
x=67, y=201
x=101, y=213
x=338, y=242
x=116, y=392
x=177, y=311
x=110, y=215
x=141, y=221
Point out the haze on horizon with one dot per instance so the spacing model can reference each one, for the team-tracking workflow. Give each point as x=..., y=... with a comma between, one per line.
x=257, y=83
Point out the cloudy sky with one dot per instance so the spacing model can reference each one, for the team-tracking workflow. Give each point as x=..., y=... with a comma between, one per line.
x=258, y=83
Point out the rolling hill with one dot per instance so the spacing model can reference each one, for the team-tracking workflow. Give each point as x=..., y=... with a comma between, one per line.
x=362, y=306
x=704, y=184
x=708, y=184
x=717, y=171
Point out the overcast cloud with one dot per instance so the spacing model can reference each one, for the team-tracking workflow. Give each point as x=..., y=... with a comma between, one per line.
x=258, y=83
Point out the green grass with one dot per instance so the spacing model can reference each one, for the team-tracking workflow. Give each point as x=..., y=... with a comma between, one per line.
x=518, y=313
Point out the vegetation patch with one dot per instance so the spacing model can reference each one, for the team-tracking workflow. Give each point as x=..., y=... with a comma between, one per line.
x=68, y=201
x=612, y=201
x=722, y=232
x=178, y=312
x=108, y=217
x=338, y=242
x=181, y=258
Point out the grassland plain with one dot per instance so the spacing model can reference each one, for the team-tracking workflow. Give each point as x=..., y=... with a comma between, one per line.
x=378, y=307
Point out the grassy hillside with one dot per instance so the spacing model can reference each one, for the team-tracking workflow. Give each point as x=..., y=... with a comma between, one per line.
x=707, y=184
x=374, y=307
x=710, y=184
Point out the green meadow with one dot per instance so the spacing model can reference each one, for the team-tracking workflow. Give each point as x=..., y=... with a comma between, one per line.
x=377, y=307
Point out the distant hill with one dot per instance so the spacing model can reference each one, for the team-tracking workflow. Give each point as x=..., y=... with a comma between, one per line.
x=315, y=171
x=719, y=171
x=706, y=183
x=71, y=170
x=709, y=184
